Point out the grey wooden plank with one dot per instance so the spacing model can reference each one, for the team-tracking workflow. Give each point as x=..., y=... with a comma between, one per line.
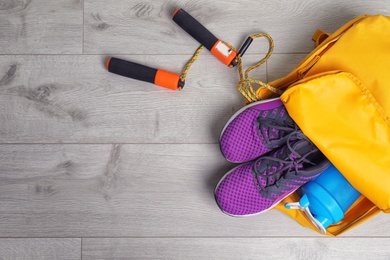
x=236, y=248
x=73, y=99
x=40, y=248
x=140, y=190
x=41, y=27
x=146, y=27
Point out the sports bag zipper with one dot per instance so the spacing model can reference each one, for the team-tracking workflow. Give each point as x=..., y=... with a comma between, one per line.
x=303, y=71
x=319, y=75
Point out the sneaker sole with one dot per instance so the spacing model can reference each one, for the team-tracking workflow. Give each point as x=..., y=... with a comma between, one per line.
x=238, y=113
x=247, y=215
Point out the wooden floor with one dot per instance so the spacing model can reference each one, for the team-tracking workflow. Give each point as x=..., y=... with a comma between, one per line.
x=97, y=166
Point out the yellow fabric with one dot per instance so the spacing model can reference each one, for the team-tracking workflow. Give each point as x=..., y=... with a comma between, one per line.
x=339, y=95
x=337, y=113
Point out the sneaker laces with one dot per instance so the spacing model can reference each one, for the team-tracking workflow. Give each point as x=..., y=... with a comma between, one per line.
x=291, y=165
x=265, y=126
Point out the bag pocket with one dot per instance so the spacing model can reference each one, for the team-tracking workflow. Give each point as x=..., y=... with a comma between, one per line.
x=342, y=118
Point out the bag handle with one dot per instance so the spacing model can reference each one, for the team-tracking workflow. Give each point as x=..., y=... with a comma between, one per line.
x=319, y=36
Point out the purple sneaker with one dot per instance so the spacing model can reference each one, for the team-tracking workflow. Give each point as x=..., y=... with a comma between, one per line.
x=258, y=186
x=255, y=130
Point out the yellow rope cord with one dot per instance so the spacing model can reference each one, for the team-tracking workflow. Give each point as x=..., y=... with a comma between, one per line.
x=245, y=85
x=190, y=62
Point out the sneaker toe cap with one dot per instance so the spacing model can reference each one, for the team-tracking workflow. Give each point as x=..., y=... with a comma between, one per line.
x=240, y=141
x=237, y=195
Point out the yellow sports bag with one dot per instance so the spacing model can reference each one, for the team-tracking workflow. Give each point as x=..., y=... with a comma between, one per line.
x=339, y=96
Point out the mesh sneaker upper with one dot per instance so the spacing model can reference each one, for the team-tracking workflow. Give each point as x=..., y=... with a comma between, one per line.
x=256, y=130
x=258, y=186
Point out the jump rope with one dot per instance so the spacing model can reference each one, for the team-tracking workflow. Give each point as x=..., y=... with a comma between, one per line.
x=226, y=53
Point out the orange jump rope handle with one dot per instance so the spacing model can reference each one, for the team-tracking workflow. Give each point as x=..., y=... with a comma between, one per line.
x=137, y=71
x=194, y=28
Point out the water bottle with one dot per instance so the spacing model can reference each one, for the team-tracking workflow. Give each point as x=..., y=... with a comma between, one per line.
x=326, y=198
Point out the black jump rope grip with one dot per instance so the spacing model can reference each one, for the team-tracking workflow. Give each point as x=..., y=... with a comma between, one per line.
x=131, y=70
x=144, y=73
x=194, y=28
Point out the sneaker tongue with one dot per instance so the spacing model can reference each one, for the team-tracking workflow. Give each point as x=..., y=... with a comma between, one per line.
x=302, y=147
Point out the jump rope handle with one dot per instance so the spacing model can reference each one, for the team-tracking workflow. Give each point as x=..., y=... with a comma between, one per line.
x=217, y=47
x=137, y=71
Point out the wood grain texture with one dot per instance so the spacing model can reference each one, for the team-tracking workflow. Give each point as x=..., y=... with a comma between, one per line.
x=146, y=27
x=118, y=190
x=73, y=99
x=99, y=166
x=41, y=27
x=236, y=248
x=143, y=190
x=41, y=248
